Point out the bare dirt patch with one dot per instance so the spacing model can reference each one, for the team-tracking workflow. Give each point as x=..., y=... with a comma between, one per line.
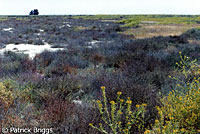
x=153, y=30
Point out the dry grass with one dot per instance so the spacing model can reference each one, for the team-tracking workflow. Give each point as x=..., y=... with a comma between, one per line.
x=81, y=28
x=153, y=30
x=104, y=20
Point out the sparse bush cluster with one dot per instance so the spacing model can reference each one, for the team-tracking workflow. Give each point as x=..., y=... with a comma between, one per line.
x=179, y=112
x=121, y=118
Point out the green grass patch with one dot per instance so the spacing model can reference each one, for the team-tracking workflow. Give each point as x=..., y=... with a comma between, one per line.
x=135, y=20
x=96, y=17
x=159, y=19
x=3, y=19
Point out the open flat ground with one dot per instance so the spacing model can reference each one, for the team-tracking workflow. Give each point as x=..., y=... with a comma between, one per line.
x=153, y=30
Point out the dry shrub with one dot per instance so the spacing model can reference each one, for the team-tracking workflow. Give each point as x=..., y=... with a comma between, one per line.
x=56, y=110
x=96, y=59
x=69, y=69
x=67, y=117
x=6, y=101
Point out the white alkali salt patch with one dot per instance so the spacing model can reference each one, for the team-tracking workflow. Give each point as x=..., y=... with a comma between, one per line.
x=66, y=22
x=79, y=102
x=89, y=47
x=29, y=49
x=68, y=25
x=62, y=26
x=93, y=43
x=8, y=29
x=41, y=30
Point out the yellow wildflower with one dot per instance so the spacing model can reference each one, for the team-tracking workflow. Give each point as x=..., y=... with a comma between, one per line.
x=171, y=118
x=119, y=122
x=98, y=101
x=156, y=121
x=165, y=127
x=137, y=106
x=128, y=101
x=103, y=87
x=121, y=100
x=158, y=108
x=147, y=132
x=119, y=93
x=175, y=131
x=144, y=104
x=100, y=105
x=112, y=102
x=182, y=129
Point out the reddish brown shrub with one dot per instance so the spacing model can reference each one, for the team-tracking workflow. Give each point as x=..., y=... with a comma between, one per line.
x=56, y=110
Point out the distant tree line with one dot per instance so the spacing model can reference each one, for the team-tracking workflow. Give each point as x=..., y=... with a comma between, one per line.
x=34, y=12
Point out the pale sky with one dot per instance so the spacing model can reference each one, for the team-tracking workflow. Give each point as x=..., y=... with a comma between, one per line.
x=66, y=7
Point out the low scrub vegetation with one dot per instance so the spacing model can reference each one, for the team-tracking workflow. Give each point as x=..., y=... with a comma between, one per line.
x=120, y=118
x=57, y=89
x=179, y=112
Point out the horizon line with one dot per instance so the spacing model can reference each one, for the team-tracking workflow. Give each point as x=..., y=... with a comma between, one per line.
x=94, y=14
